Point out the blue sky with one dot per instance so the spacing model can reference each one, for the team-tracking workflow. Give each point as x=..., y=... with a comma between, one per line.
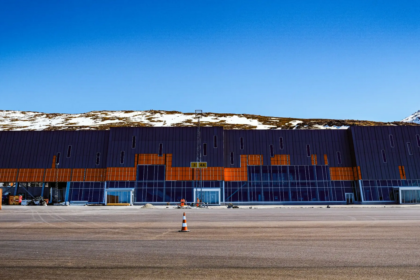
x=308, y=59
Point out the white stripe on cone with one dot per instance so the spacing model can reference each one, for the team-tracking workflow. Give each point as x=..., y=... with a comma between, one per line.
x=184, y=224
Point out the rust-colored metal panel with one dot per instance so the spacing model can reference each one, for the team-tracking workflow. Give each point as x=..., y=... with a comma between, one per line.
x=403, y=176
x=78, y=175
x=280, y=160
x=237, y=174
x=53, y=162
x=121, y=174
x=255, y=160
x=154, y=159
x=342, y=174
x=58, y=175
x=314, y=159
x=8, y=174
x=31, y=175
x=209, y=174
x=95, y=175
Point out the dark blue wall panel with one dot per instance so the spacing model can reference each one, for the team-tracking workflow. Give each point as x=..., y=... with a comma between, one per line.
x=36, y=149
x=359, y=146
x=369, y=142
x=180, y=142
x=257, y=142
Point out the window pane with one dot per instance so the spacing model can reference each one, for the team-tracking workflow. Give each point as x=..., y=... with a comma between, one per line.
x=391, y=140
x=383, y=156
x=160, y=150
x=409, y=148
x=133, y=144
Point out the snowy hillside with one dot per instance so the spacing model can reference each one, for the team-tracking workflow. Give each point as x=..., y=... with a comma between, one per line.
x=414, y=118
x=102, y=120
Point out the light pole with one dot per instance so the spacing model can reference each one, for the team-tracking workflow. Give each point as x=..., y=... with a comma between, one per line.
x=198, y=115
x=56, y=182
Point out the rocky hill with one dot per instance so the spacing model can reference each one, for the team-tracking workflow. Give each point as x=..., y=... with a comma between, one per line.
x=103, y=120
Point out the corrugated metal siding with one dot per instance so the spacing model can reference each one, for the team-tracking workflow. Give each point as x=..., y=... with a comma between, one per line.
x=369, y=143
x=294, y=144
x=180, y=142
x=36, y=149
x=359, y=146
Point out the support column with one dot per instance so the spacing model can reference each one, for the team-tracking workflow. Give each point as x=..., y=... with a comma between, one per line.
x=223, y=192
x=42, y=191
x=16, y=188
x=66, y=198
x=361, y=191
x=105, y=193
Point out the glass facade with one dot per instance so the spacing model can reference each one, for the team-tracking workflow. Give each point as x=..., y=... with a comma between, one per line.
x=288, y=184
x=271, y=184
x=92, y=192
x=383, y=190
x=118, y=197
x=410, y=196
x=164, y=191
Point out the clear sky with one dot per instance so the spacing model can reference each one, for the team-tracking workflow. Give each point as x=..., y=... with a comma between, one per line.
x=356, y=59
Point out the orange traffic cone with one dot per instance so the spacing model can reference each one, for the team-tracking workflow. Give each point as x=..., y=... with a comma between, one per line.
x=184, y=224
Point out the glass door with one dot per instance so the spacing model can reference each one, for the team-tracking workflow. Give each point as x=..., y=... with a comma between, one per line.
x=208, y=195
x=119, y=196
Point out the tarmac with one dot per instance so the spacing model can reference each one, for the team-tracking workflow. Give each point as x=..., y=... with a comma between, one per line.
x=265, y=242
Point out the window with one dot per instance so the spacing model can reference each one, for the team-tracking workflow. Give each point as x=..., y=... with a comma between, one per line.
x=308, y=150
x=409, y=148
x=418, y=140
x=281, y=143
x=69, y=151
x=383, y=156
x=339, y=157
x=98, y=158
x=215, y=141
x=133, y=142
x=391, y=140
x=160, y=149
x=242, y=143
x=271, y=151
x=205, y=149
x=231, y=158
x=122, y=158
x=57, y=158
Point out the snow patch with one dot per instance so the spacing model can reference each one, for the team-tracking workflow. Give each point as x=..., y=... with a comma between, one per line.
x=414, y=118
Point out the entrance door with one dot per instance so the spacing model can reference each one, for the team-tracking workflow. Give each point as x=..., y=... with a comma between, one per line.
x=349, y=198
x=208, y=195
x=57, y=192
x=119, y=196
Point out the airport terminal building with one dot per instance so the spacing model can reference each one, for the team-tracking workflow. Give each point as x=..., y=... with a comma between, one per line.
x=139, y=165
